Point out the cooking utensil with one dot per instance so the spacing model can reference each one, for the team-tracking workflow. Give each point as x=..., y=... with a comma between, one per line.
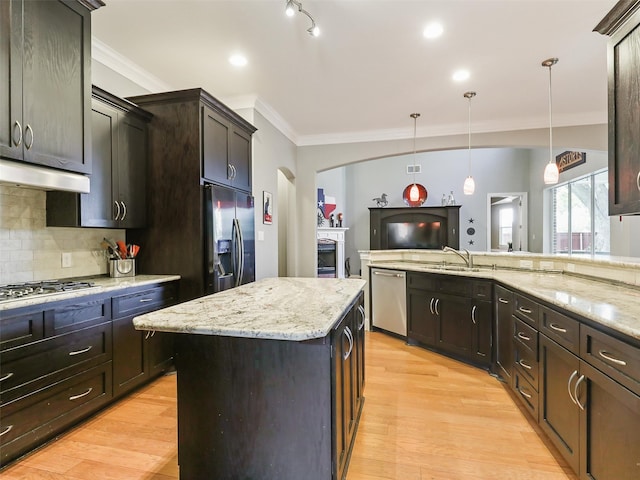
x=113, y=248
x=122, y=249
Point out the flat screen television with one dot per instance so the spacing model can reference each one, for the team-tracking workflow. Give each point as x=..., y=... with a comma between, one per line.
x=414, y=235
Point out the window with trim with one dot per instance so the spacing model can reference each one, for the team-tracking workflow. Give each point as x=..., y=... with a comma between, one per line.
x=580, y=219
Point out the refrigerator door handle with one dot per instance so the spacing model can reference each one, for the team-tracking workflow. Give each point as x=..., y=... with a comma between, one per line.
x=241, y=256
x=237, y=267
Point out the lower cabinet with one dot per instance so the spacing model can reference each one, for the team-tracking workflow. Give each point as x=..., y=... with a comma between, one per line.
x=453, y=315
x=503, y=301
x=62, y=361
x=139, y=355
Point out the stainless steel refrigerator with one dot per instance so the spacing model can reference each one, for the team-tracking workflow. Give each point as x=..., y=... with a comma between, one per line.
x=229, y=238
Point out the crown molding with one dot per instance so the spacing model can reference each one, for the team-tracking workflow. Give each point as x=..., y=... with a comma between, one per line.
x=107, y=56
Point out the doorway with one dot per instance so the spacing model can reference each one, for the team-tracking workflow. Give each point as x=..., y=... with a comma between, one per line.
x=286, y=208
x=507, y=220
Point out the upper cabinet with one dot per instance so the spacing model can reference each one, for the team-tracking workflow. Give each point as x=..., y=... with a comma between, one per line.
x=622, y=23
x=197, y=119
x=45, y=89
x=117, y=197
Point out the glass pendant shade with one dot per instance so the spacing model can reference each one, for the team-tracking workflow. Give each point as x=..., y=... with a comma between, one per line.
x=551, y=173
x=469, y=186
x=414, y=195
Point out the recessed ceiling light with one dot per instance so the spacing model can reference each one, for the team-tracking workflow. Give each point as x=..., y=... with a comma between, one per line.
x=238, y=60
x=460, y=75
x=433, y=30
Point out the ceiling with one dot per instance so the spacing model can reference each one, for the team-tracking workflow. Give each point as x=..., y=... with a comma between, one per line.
x=371, y=66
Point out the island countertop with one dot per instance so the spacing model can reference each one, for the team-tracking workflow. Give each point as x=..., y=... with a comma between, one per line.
x=284, y=308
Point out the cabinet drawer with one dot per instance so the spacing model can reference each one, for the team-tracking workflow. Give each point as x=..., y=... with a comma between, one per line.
x=526, y=362
x=421, y=281
x=31, y=419
x=75, y=315
x=19, y=329
x=619, y=360
x=33, y=362
x=526, y=309
x=455, y=286
x=143, y=301
x=562, y=329
x=525, y=335
x=482, y=290
x=526, y=393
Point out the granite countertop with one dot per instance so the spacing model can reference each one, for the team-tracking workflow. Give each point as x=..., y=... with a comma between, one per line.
x=614, y=306
x=103, y=284
x=282, y=308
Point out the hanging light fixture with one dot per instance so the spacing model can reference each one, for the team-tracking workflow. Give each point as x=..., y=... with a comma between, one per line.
x=290, y=10
x=414, y=194
x=469, y=183
x=551, y=172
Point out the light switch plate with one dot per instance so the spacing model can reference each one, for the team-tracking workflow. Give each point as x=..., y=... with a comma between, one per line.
x=260, y=236
x=66, y=259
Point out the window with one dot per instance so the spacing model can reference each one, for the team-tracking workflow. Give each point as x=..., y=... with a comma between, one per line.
x=580, y=223
x=506, y=226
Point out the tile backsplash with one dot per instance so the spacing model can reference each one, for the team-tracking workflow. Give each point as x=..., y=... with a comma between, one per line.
x=29, y=250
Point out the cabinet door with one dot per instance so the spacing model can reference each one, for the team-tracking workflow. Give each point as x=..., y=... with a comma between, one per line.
x=97, y=209
x=481, y=317
x=340, y=420
x=610, y=428
x=559, y=415
x=131, y=172
x=11, y=80
x=422, y=318
x=215, y=147
x=624, y=121
x=128, y=356
x=240, y=159
x=159, y=352
x=359, y=346
x=57, y=84
x=454, y=326
x=504, y=332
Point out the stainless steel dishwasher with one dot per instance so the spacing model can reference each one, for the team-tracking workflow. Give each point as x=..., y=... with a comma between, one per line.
x=389, y=300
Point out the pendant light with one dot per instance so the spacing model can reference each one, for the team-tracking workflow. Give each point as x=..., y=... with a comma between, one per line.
x=551, y=172
x=469, y=183
x=414, y=194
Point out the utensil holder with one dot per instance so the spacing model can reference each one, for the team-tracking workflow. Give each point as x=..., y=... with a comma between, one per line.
x=122, y=268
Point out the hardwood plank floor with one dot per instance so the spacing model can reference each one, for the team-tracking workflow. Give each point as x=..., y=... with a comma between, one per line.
x=426, y=417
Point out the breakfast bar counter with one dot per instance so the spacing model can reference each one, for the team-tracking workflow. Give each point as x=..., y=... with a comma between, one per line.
x=270, y=378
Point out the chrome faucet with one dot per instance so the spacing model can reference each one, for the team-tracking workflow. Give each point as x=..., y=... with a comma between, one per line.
x=468, y=259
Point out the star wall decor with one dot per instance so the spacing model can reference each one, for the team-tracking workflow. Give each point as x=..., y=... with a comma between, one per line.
x=470, y=242
x=471, y=220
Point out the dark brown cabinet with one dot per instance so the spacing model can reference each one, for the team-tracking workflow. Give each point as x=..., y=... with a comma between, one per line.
x=450, y=314
x=45, y=50
x=226, y=151
x=139, y=355
x=118, y=182
x=61, y=361
x=623, y=25
x=503, y=301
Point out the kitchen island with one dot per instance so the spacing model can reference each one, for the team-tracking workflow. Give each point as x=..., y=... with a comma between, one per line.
x=270, y=378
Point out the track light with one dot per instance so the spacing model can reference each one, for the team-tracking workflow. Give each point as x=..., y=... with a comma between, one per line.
x=290, y=11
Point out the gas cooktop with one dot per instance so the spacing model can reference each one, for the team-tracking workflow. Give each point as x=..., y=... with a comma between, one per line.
x=16, y=291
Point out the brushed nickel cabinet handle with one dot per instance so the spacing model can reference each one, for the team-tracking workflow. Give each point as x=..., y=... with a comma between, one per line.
x=78, y=352
x=28, y=129
x=146, y=300
x=435, y=306
x=117, y=210
x=361, y=310
x=638, y=180
x=124, y=210
x=575, y=391
x=347, y=333
x=525, y=310
x=473, y=314
x=76, y=397
x=6, y=430
x=503, y=300
x=523, y=364
x=431, y=306
x=523, y=336
x=571, y=377
x=555, y=327
x=5, y=377
x=18, y=127
x=607, y=356
x=524, y=394
x=229, y=171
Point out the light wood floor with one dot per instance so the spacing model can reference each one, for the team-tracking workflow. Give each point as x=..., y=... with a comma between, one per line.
x=425, y=417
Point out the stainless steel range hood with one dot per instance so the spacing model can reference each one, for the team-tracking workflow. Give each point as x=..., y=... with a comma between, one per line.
x=20, y=174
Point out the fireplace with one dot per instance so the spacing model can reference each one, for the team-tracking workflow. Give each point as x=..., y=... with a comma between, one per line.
x=326, y=258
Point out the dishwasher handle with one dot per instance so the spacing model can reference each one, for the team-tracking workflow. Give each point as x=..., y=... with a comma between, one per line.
x=386, y=274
